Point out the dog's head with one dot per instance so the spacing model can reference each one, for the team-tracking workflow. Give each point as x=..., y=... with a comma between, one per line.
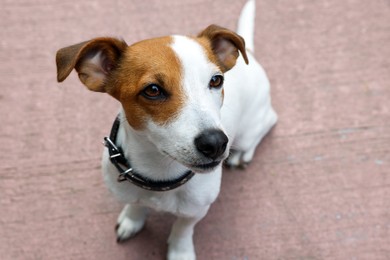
x=171, y=88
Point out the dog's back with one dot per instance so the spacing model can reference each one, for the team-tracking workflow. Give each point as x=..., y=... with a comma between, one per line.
x=247, y=101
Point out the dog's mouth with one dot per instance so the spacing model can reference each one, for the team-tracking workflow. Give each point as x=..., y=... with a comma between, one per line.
x=205, y=167
x=199, y=168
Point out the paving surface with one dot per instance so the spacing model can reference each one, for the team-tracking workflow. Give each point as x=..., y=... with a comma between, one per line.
x=319, y=187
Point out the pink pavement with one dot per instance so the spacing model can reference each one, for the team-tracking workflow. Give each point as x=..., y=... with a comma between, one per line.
x=318, y=188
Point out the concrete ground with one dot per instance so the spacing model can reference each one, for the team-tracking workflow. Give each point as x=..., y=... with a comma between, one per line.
x=318, y=188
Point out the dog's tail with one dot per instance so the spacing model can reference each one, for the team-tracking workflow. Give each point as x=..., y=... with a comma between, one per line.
x=246, y=24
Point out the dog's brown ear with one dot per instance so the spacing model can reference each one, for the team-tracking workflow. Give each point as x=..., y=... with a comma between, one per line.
x=93, y=61
x=225, y=45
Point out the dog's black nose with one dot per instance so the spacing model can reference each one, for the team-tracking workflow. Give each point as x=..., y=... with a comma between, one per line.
x=211, y=143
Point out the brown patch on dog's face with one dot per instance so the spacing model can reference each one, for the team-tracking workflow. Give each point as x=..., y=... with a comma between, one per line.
x=143, y=64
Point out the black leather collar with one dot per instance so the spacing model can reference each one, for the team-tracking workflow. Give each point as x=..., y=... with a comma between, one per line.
x=126, y=173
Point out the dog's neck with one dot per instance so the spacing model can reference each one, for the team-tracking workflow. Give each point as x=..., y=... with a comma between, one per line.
x=143, y=155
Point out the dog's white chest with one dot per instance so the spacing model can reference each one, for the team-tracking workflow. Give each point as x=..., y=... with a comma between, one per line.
x=202, y=190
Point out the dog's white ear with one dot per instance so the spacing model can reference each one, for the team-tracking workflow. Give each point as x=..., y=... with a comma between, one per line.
x=93, y=61
x=225, y=44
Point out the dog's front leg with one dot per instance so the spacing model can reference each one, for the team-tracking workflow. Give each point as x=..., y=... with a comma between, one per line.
x=130, y=221
x=181, y=246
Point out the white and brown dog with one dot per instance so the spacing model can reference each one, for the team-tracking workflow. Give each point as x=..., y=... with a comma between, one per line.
x=187, y=103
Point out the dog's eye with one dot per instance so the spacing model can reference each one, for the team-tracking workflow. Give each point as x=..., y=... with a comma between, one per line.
x=216, y=81
x=153, y=92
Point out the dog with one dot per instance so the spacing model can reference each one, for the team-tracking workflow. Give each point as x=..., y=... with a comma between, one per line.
x=188, y=103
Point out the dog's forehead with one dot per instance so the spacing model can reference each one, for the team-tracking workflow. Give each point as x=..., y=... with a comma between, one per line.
x=192, y=50
x=153, y=54
x=171, y=51
x=196, y=57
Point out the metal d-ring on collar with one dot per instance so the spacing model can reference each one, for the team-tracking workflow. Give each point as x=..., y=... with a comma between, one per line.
x=126, y=172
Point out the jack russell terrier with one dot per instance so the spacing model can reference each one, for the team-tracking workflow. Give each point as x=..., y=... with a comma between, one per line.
x=187, y=104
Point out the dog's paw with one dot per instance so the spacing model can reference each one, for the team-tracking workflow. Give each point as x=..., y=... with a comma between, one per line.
x=181, y=255
x=236, y=160
x=241, y=165
x=127, y=228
